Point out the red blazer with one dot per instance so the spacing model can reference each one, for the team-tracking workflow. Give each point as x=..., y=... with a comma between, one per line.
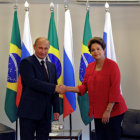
x=103, y=87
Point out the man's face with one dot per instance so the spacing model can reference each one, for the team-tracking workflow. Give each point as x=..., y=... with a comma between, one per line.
x=41, y=48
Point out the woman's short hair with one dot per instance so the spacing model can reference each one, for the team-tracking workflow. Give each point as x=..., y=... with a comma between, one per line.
x=97, y=40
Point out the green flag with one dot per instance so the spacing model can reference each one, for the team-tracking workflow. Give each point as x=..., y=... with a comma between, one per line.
x=86, y=58
x=54, y=55
x=13, y=65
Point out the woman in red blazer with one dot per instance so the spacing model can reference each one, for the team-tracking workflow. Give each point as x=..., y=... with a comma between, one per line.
x=102, y=81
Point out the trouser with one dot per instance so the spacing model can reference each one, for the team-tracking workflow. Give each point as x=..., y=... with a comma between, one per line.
x=109, y=131
x=29, y=127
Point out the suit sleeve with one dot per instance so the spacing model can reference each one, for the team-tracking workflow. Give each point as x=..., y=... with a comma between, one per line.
x=114, y=94
x=30, y=80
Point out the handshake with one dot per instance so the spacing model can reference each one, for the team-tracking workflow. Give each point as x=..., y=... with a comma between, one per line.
x=61, y=89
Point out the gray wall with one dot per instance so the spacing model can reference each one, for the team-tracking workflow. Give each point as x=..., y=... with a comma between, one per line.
x=126, y=32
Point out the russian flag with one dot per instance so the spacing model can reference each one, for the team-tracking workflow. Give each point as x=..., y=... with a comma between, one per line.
x=69, y=99
x=108, y=37
x=27, y=50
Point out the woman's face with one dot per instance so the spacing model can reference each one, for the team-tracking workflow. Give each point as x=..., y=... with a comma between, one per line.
x=97, y=51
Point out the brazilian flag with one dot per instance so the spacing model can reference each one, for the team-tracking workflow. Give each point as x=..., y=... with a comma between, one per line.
x=54, y=54
x=13, y=71
x=86, y=58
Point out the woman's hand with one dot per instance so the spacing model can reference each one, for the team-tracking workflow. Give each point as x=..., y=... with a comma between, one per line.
x=60, y=89
x=106, y=116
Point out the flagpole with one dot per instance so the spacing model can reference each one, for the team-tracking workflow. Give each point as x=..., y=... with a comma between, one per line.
x=26, y=6
x=70, y=120
x=106, y=7
x=51, y=7
x=87, y=7
x=66, y=5
x=16, y=129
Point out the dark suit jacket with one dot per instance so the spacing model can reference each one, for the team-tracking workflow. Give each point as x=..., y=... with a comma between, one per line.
x=38, y=95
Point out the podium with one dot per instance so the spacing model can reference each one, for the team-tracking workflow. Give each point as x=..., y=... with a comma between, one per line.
x=7, y=133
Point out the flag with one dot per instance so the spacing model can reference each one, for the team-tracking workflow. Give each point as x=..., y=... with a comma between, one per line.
x=108, y=38
x=54, y=55
x=27, y=50
x=13, y=69
x=69, y=103
x=86, y=58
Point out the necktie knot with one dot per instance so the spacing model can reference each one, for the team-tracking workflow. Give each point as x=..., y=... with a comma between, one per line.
x=42, y=62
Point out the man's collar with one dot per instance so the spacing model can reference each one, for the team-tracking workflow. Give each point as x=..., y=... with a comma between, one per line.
x=40, y=59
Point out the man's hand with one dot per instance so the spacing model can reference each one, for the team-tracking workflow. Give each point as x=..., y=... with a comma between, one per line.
x=56, y=116
x=61, y=89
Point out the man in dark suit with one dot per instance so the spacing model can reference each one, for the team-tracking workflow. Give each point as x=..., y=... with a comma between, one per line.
x=39, y=87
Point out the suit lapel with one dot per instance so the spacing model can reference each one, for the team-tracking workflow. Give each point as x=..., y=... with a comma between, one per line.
x=37, y=62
